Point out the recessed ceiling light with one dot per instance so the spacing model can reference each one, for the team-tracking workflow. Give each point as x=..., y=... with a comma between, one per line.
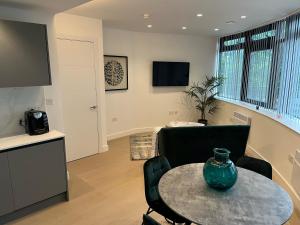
x=199, y=15
x=149, y=25
x=243, y=17
x=184, y=28
x=216, y=29
x=146, y=16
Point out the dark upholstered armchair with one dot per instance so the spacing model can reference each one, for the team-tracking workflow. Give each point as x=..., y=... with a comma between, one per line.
x=154, y=169
x=183, y=145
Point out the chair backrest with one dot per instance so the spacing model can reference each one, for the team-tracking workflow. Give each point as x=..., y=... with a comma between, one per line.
x=147, y=220
x=154, y=168
x=183, y=145
x=256, y=165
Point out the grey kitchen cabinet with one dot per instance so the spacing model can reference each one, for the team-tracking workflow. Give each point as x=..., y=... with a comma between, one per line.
x=24, y=54
x=6, y=198
x=38, y=172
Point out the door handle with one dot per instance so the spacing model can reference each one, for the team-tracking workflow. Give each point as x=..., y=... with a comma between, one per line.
x=93, y=107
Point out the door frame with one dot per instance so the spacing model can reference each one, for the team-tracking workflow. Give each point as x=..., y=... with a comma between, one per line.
x=100, y=85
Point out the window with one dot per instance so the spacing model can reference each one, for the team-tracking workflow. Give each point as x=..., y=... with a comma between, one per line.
x=259, y=75
x=231, y=50
x=262, y=66
x=289, y=98
x=232, y=73
x=249, y=77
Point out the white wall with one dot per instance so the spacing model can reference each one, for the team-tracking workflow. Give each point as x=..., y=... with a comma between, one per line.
x=83, y=28
x=17, y=100
x=13, y=103
x=144, y=106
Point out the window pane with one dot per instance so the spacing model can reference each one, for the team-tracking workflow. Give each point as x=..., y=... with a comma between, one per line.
x=259, y=75
x=263, y=35
x=294, y=105
x=231, y=68
x=234, y=41
x=289, y=100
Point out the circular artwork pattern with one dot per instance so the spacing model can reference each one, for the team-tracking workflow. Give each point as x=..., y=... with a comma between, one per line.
x=114, y=73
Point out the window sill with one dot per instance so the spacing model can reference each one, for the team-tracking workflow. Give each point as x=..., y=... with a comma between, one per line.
x=289, y=123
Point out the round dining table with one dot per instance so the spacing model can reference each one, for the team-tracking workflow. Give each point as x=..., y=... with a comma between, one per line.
x=254, y=199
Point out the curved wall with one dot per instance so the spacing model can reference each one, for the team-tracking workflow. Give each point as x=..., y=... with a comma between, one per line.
x=268, y=139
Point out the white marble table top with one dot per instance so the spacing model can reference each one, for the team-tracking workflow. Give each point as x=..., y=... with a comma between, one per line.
x=254, y=199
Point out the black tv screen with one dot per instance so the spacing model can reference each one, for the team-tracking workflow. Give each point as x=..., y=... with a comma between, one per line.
x=24, y=58
x=170, y=73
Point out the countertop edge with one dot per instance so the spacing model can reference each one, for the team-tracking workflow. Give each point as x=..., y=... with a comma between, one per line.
x=25, y=139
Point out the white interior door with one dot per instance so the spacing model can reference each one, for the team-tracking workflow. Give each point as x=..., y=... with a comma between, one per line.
x=78, y=83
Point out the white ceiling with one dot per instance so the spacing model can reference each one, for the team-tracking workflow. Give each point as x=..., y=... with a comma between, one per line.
x=48, y=5
x=168, y=16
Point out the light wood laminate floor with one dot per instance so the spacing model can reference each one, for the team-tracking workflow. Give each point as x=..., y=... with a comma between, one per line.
x=105, y=189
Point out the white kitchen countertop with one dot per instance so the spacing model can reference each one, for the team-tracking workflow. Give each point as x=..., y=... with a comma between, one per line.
x=25, y=139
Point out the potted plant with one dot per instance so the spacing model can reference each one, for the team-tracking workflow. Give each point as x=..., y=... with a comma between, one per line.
x=204, y=95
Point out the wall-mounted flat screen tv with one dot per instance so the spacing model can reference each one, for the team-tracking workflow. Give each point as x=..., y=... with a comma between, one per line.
x=24, y=59
x=170, y=73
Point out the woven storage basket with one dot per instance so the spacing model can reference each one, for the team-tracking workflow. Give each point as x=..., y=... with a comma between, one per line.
x=141, y=146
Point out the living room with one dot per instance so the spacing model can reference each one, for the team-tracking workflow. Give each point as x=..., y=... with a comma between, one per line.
x=99, y=91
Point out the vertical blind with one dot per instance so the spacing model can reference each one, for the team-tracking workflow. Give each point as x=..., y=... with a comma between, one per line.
x=262, y=66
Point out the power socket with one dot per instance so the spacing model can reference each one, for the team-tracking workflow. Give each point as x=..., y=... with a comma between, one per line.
x=49, y=101
x=173, y=113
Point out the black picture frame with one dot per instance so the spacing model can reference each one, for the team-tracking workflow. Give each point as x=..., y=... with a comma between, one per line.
x=122, y=61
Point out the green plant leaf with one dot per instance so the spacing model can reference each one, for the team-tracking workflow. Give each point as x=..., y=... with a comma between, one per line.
x=204, y=94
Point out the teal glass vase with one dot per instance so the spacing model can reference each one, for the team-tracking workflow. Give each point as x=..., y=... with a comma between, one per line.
x=219, y=171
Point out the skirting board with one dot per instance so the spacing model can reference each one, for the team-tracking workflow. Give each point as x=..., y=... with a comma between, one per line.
x=104, y=148
x=34, y=208
x=129, y=132
x=278, y=178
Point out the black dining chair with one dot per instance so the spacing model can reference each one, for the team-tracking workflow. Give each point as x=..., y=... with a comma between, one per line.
x=256, y=165
x=147, y=220
x=154, y=169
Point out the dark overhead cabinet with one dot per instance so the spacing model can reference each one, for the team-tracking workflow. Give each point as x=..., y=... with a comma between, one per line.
x=24, y=57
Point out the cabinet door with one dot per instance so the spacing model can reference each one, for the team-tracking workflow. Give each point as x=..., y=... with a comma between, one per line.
x=24, y=58
x=6, y=199
x=37, y=172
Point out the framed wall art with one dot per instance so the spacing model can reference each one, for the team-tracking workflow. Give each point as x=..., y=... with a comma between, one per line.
x=116, y=72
